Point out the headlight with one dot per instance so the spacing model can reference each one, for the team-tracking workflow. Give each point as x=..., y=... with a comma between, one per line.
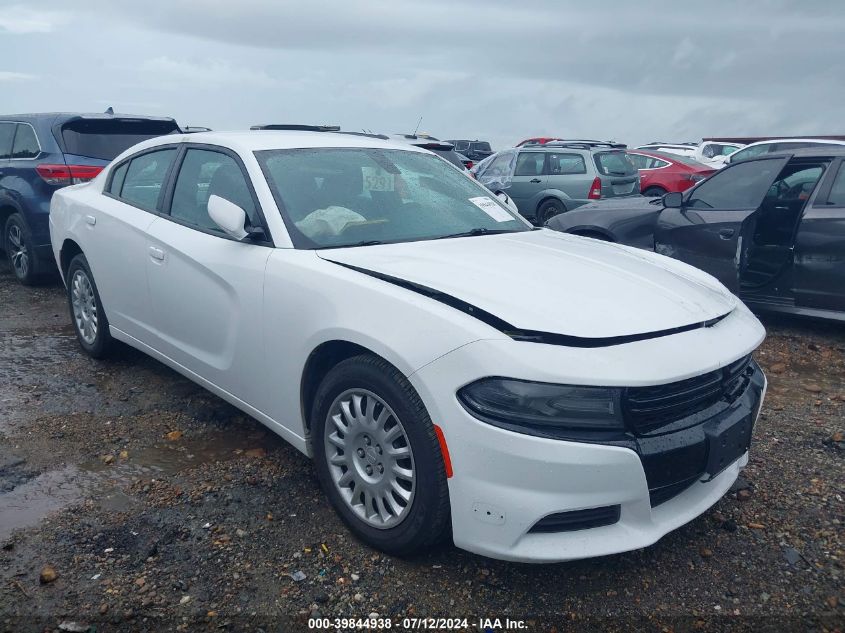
x=544, y=406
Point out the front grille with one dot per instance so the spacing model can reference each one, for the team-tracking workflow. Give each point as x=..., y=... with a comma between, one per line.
x=649, y=408
x=578, y=520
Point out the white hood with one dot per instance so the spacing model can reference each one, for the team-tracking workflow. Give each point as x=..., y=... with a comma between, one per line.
x=552, y=282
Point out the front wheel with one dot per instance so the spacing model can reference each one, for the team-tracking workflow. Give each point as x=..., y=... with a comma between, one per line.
x=378, y=457
x=86, y=309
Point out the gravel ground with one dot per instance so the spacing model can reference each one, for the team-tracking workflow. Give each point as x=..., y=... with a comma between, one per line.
x=131, y=499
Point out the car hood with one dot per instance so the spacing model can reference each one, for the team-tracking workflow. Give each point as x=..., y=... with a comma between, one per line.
x=551, y=282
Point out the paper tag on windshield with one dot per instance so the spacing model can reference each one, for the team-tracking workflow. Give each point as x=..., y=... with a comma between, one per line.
x=376, y=179
x=492, y=209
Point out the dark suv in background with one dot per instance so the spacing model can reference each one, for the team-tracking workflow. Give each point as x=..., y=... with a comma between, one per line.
x=40, y=153
x=476, y=151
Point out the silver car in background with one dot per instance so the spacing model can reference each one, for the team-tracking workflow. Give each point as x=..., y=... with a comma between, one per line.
x=545, y=180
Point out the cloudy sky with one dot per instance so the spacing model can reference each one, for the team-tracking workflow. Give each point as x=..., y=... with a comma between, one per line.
x=491, y=69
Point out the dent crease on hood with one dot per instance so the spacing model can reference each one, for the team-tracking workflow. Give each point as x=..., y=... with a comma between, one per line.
x=528, y=336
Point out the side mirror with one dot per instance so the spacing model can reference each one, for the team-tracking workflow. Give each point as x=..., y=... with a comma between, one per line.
x=506, y=200
x=228, y=216
x=673, y=200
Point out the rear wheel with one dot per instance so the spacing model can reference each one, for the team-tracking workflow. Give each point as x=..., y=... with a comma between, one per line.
x=654, y=192
x=86, y=309
x=378, y=458
x=19, y=249
x=549, y=209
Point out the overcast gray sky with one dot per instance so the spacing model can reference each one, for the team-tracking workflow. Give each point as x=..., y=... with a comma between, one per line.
x=489, y=69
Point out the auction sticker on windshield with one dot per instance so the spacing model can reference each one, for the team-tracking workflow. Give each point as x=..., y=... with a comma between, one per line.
x=376, y=179
x=492, y=209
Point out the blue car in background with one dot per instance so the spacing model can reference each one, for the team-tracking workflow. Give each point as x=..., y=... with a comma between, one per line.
x=40, y=153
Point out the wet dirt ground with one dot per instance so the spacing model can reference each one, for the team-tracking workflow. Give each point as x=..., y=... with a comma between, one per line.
x=131, y=499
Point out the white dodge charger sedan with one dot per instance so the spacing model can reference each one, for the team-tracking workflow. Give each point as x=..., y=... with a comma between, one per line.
x=454, y=372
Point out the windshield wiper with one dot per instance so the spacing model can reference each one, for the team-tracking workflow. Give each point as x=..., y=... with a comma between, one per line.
x=364, y=243
x=474, y=232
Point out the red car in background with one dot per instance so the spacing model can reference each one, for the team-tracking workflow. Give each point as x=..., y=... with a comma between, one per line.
x=538, y=140
x=661, y=172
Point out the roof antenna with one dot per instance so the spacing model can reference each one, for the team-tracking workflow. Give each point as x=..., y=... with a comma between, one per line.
x=110, y=110
x=418, y=127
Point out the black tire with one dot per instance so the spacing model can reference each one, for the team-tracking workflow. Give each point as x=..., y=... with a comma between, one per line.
x=655, y=192
x=428, y=518
x=17, y=241
x=102, y=342
x=549, y=209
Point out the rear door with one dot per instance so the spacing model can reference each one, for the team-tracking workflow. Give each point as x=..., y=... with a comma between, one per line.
x=714, y=227
x=7, y=135
x=116, y=238
x=820, y=246
x=618, y=175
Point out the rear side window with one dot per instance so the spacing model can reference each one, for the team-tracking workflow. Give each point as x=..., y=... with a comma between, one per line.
x=26, y=144
x=749, y=152
x=614, y=164
x=738, y=187
x=205, y=173
x=836, y=197
x=107, y=138
x=461, y=146
x=529, y=164
x=641, y=161
x=7, y=133
x=563, y=164
x=145, y=178
x=117, y=178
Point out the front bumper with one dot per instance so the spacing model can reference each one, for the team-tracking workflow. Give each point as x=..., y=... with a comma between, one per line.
x=505, y=482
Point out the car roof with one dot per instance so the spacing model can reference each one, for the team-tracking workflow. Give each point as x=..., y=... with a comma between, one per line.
x=81, y=115
x=823, y=141
x=811, y=152
x=259, y=140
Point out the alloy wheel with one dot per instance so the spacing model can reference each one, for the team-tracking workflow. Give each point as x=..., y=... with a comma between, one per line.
x=84, y=306
x=369, y=458
x=18, y=253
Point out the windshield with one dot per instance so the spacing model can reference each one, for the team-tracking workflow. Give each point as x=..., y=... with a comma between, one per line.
x=615, y=164
x=332, y=197
x=480, y=146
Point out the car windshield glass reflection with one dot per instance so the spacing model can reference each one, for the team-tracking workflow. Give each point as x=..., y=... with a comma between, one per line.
x=346, y=197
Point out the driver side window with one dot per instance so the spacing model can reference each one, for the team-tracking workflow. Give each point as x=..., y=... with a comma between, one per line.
x=205, y=173
x=736, y=187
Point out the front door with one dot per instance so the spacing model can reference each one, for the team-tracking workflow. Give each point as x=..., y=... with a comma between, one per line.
x=206, y=288
x=714, y=227
x=528, y=179
x=820, y=246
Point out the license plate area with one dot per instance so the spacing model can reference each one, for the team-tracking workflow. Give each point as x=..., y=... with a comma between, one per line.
x=621, y=190
x=727, y=443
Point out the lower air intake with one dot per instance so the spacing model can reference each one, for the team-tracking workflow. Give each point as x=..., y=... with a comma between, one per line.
x=577, y=520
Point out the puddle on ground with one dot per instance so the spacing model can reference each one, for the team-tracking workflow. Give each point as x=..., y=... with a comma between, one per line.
x=29, y=503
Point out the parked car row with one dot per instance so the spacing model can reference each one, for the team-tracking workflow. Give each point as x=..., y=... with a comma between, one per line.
x=415, y=352
x=770, y=227
x=39, y=154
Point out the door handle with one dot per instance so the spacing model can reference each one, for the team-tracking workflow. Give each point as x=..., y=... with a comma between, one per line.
x=90, y=219
x=726, y=234
x=535, y=180
x=156, y=253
